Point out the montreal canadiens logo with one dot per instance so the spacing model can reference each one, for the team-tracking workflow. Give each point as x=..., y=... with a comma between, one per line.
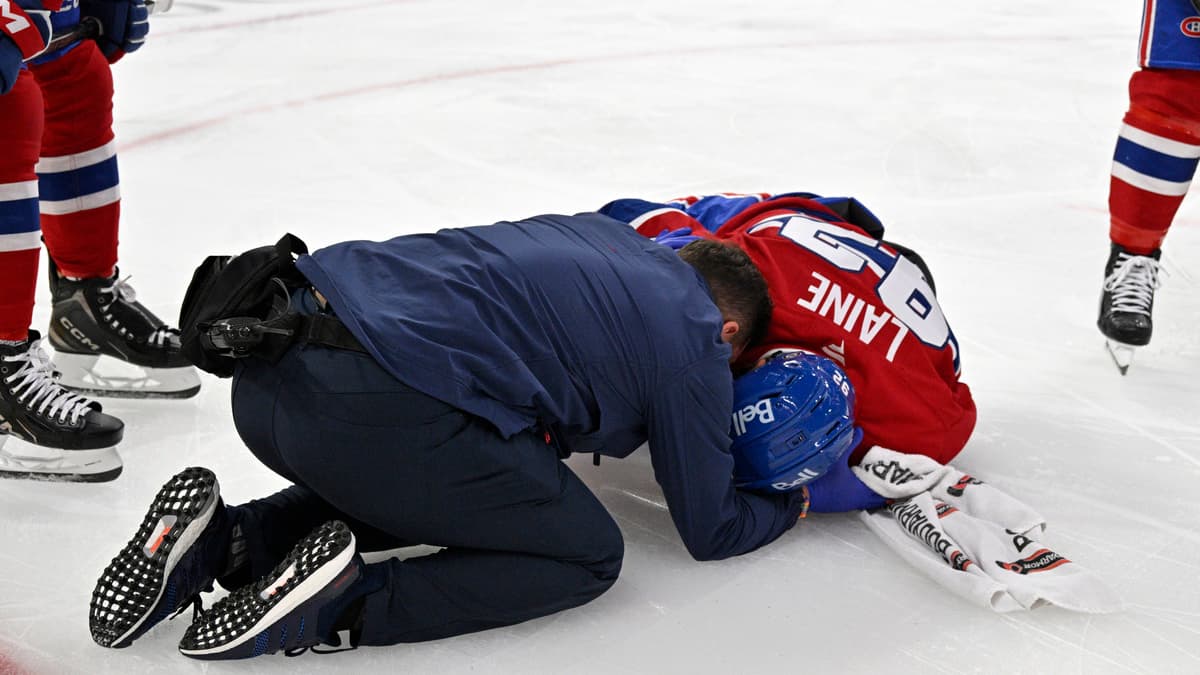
x=1190, y=26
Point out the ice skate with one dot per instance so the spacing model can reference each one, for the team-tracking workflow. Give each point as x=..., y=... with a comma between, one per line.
x=46, y=431
x=177, y=551
x=1127, y=301
x=281, y=610
x=106, y=343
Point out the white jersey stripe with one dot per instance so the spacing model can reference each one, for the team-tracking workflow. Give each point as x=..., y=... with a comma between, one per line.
x=637, y=222
x=78, y=160
x=82, y=203
x=1159, y=144
x=1149, y=183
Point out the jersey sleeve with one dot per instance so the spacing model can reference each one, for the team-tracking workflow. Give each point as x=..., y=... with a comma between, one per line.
x=688, y=433
x=651, y=219
x=27, y=25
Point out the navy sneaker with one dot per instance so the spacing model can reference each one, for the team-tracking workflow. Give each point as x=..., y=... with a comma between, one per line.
x=175, y=554
x=281, y=610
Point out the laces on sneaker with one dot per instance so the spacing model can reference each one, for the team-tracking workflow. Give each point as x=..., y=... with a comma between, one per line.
x=195, y=603
x=35, y=385
x=1133, y=281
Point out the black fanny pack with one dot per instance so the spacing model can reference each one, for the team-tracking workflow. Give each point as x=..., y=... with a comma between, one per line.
x=236, y=306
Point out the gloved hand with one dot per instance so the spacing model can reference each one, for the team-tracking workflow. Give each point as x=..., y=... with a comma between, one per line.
x=23, y=35
x=839, y=490
x=676, y=239
x=124, y=25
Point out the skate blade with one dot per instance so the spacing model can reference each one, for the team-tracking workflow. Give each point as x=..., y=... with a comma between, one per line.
x=1121, y=353
x=22, y=460
x=101, y=375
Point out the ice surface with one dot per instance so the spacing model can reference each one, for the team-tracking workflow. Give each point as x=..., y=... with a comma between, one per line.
x=981, y=133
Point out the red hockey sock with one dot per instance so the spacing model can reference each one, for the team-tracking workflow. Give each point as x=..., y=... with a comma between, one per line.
x=18, y=286
x=1156, y=157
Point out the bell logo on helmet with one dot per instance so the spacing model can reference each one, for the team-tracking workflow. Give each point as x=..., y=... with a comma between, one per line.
x=806, y=475
x=760, y=410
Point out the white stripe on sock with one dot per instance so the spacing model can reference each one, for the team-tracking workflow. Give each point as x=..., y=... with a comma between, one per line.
x=11, y=192
x=1149, y=183
x=83, y=203
x=21, y=241
x=78, y=160
x=1160, y=144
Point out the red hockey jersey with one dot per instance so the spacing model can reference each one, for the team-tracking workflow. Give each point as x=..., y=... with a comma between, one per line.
x=842, y=292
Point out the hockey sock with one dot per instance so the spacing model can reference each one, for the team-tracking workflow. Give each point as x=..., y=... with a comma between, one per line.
x=1156, y=157
x=77, y=172
x=18, y=286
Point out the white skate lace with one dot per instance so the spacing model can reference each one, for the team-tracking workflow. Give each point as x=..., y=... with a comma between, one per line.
x=122, y=291
x=34, y=384
x=1133, y=282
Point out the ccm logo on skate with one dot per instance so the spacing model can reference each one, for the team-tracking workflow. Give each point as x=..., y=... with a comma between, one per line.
x=75, y=332
x=1190, y=26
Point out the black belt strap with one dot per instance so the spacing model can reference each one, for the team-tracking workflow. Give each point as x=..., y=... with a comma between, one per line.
x=327, y=330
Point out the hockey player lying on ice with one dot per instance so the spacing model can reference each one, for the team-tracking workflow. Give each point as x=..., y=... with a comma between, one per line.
x=486, y=355
x=839, y=290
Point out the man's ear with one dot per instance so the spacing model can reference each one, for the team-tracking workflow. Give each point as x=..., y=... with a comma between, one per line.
x=729, y=331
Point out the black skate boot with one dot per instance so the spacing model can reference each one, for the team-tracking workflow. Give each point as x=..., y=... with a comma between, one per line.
x=63, y=436
x=1127, y=301
x=106, y=343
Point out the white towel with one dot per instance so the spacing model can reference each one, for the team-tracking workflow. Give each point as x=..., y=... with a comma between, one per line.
x=973, y=539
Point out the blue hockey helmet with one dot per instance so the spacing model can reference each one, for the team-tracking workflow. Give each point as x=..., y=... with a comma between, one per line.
x=793, y=417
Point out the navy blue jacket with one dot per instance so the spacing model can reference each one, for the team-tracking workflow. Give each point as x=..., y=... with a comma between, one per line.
x=576, y=323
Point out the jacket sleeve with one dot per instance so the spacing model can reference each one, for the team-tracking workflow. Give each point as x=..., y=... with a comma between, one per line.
x=688, y=431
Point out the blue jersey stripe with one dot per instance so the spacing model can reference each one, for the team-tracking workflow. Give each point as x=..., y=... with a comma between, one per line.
x=78, y=182
x=1153, y=163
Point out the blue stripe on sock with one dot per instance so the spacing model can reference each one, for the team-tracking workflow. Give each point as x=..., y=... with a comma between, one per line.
x=1153, y=163
x=78, y=182
x=19, y=216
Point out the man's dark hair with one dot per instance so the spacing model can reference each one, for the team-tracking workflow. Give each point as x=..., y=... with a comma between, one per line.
x=737, y=286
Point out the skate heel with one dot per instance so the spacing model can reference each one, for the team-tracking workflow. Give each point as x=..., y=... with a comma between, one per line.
x=102, y=375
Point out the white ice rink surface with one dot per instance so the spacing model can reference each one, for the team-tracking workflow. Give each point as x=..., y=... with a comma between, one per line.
x=982, y=135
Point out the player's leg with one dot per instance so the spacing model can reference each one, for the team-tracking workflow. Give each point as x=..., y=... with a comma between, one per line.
x=59, y=435
x=1153, y=166
x=106, y=342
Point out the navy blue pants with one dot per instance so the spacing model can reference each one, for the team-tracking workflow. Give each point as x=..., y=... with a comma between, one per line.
x=523, y=536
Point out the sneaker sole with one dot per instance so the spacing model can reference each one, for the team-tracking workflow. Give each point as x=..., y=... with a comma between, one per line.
x=320, y=577
x=194, y=511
